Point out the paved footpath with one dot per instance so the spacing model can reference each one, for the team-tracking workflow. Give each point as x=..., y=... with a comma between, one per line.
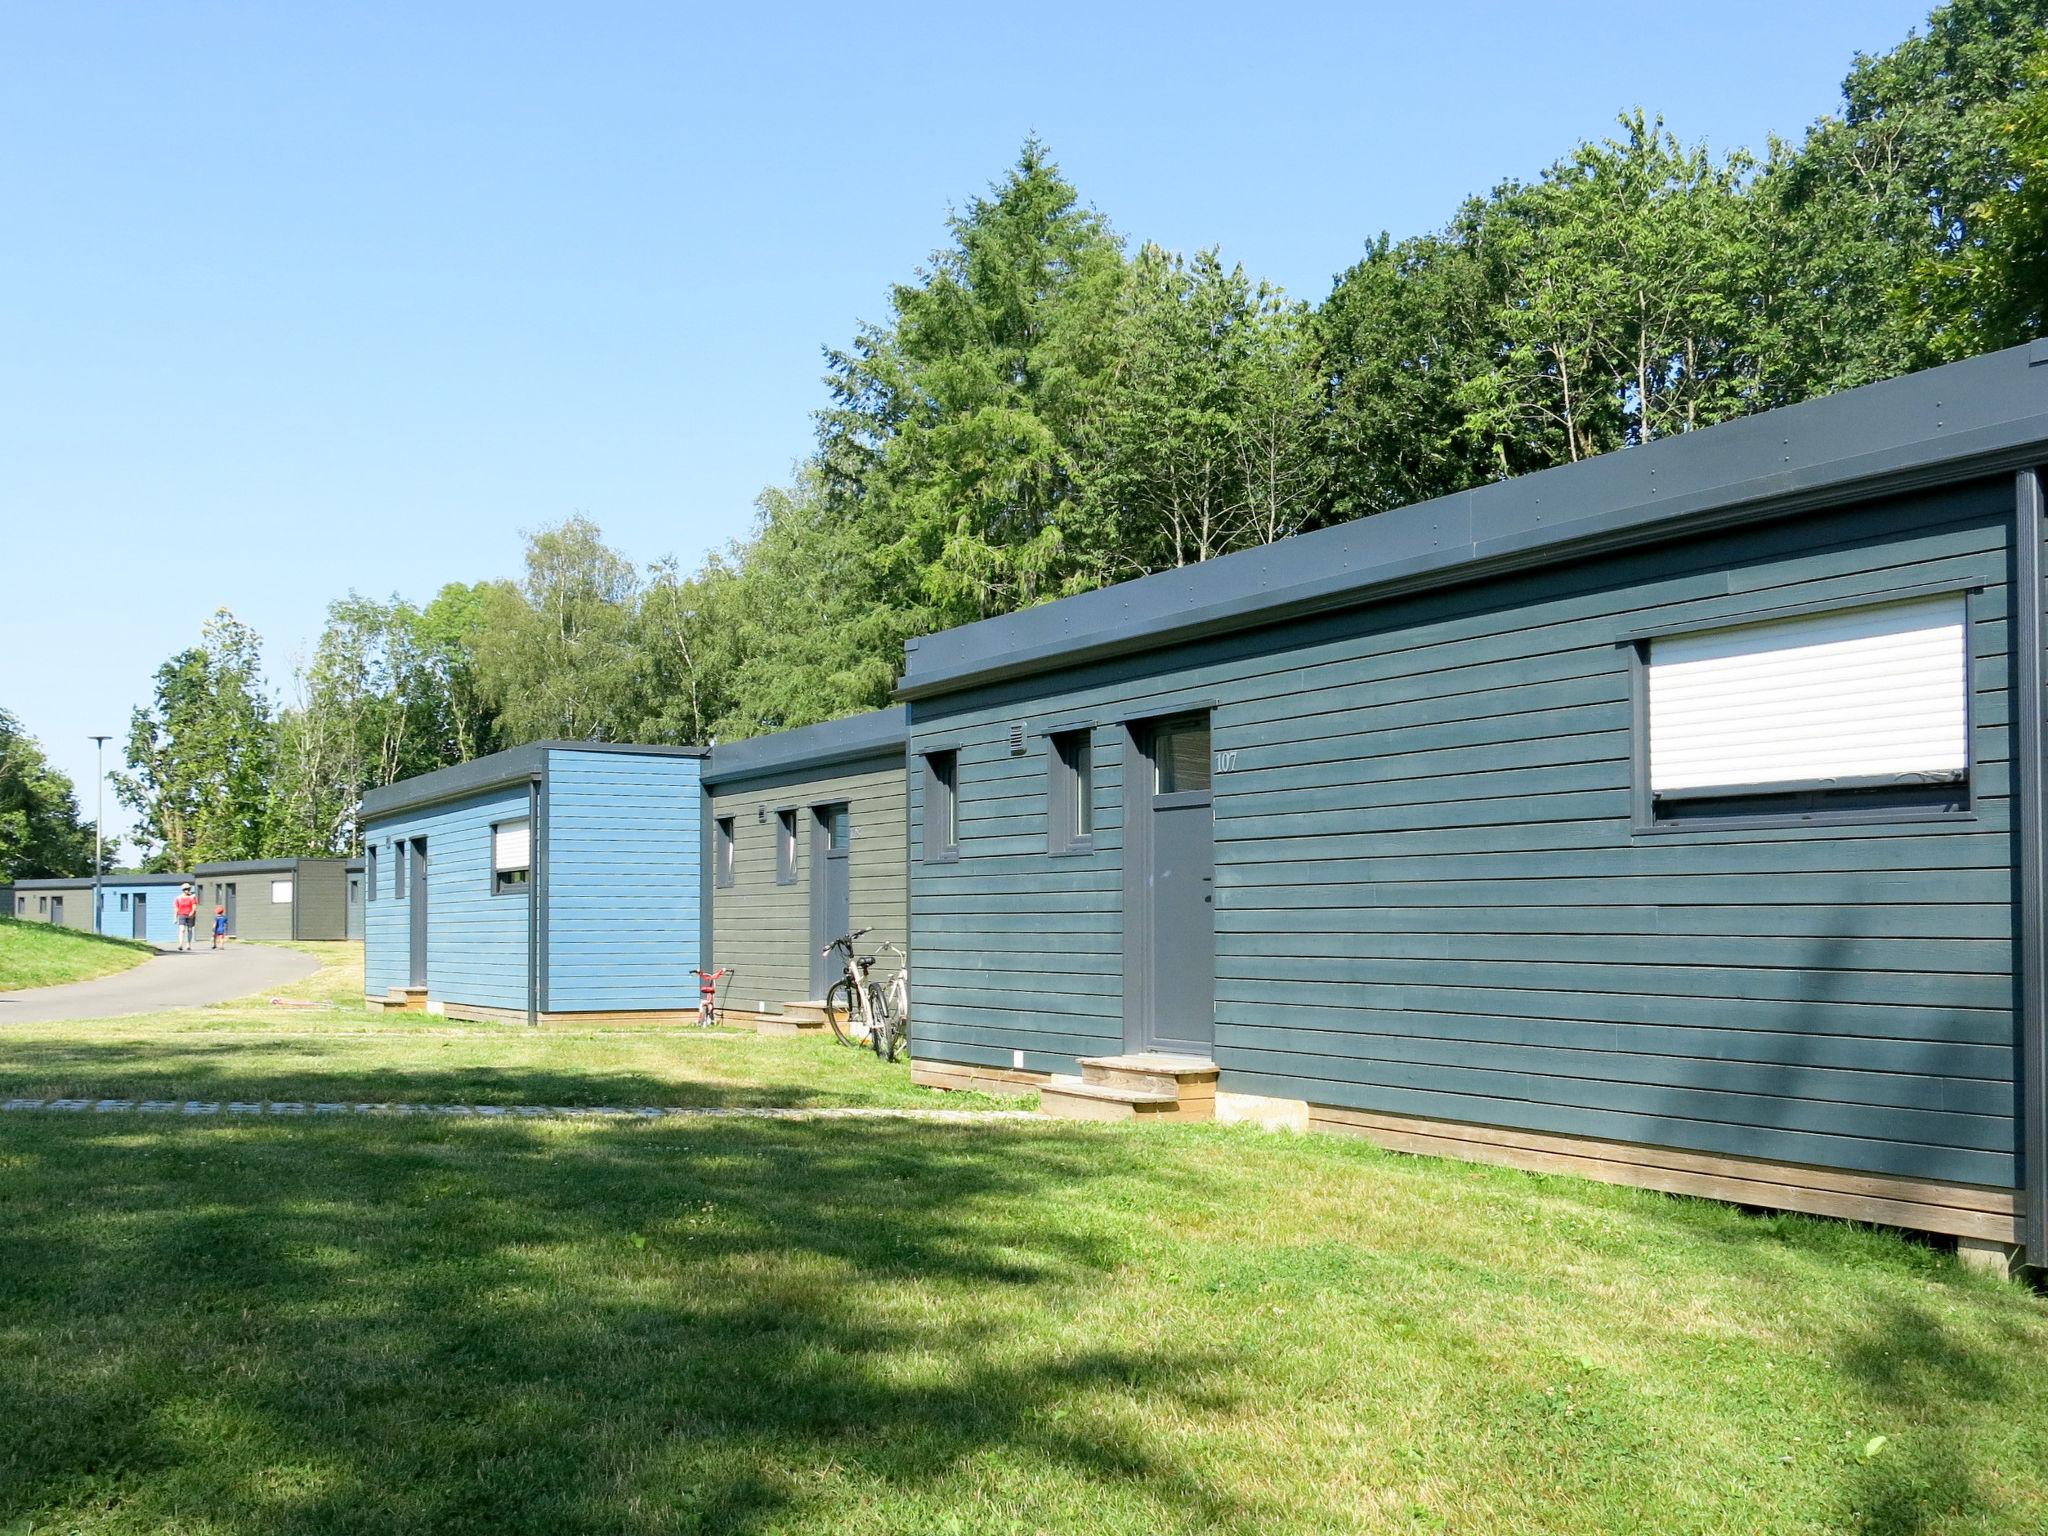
x=171, y=980
x=271, y=1108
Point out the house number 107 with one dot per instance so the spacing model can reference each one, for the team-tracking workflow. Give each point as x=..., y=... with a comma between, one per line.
x=1225, y=761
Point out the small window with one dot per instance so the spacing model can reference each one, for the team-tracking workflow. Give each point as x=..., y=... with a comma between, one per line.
x=1856, y=710
x=42, y=903
x=833, y=818
x=370, y=873
x=785, y=847
x=511, y=856
x=280, y=893
x=124, y=901
x=1070, y=798
x=398, y=869
x=942, y=805
x=1180, y=755
x=721, y=850
x=21, y=906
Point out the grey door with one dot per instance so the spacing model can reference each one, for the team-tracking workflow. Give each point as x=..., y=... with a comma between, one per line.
x=830, y=891
x=352, y=923
x=1176, y=927
x=140, y=908
x=417, y=895
x=57, y=910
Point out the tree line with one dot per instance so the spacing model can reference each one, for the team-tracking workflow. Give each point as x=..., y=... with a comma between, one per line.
x=1047, y=407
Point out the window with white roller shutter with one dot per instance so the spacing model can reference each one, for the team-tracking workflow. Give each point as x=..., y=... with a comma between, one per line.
x=1855, y=703
x=511, y=856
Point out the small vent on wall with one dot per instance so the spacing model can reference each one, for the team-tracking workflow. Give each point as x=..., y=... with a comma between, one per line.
x=1016, y=738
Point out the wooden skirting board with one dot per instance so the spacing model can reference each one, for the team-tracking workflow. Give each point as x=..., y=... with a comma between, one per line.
x=1958, y=1210
x=624, y=1019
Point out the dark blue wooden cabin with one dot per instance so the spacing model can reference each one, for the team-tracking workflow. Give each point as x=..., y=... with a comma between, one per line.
x=1674, y=817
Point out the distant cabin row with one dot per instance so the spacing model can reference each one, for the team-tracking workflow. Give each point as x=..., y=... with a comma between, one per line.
x=1674, y=818
x=264, y=898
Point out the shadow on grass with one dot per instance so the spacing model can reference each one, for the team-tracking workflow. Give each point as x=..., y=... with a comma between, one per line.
x=1933, y=1381
x=399, y=1326
x=185, y=1068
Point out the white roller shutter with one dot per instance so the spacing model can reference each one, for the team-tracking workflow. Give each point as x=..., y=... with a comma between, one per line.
x=512, y=845
x=1862, y=694
x=280, y=893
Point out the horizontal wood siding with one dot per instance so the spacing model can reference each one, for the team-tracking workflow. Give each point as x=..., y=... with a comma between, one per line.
x=255, y=915
x=160, y=914
x=77, y=905
x=764, y=928
x=1431, y=902
x=476, y=942
x=321, y=896
x=624, y=865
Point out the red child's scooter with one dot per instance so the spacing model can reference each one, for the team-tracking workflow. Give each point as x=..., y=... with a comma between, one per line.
x=708, y=1005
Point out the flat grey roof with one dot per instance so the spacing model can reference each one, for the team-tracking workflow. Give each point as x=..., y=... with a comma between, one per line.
x=879, y=732
x=512, y=766
x=1978, y=417
x=261, y=866
x=50, y=883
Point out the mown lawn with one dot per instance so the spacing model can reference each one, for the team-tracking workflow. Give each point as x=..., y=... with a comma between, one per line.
x=339, y=1051
x=39, y=955
x=386, y=1325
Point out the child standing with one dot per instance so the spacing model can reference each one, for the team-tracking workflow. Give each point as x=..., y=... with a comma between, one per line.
x=220, y=926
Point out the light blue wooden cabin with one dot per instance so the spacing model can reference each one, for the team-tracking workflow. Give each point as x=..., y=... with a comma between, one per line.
x=139, y=906
x=556, y=881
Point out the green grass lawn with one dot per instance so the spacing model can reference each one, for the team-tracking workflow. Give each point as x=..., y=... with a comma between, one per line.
x=39, y=955
x=339, y=1051
x=385, y=1325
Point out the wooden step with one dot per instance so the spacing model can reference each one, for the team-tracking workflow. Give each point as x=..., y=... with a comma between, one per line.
x=795, y=1019
x=405, y=1000
x=1071, y=1098
x=1186, y=1077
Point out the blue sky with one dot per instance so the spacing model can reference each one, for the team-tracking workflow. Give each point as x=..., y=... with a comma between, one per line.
x=310, y=298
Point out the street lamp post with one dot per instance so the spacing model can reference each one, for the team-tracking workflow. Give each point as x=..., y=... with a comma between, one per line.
x=99, y=823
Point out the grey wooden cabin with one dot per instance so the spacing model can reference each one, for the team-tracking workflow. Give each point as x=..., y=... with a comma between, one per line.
x=285, y=898
x=1667, y=817
x=807, y=841
x=66, y=902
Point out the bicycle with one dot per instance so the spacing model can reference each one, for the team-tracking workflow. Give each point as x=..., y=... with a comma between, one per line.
x=860, y=1012
x=708, y=1008
x=892, y=1030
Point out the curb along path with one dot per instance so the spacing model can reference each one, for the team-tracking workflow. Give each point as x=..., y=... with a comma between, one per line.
x=287, y=1108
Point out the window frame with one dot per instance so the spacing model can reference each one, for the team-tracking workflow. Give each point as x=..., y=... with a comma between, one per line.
x=499, y=885
x=398, y=850
x=1070, y=791
x=785, y=844
x=935, y=791
x=725, y=831
x=370, y=872
x=1767, y=805
x=290, y=885
x=124, y=901
x=1150, y=739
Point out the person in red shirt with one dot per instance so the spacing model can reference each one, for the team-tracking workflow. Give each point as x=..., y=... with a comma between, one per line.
x=187, y=908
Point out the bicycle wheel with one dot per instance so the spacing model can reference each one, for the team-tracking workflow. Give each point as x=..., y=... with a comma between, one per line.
x=840, y=1013
x=883, y=1032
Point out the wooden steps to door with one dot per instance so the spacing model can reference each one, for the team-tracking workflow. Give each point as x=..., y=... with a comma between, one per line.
x=1143, y=1085
x=400, y=1000
x=795, y=1019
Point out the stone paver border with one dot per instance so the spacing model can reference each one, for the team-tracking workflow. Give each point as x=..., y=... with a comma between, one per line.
x=288, y=1107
